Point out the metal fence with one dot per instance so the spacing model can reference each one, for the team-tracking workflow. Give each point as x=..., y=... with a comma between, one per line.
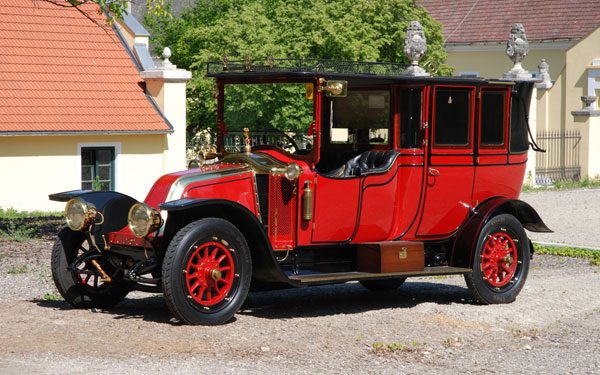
x=560, y=162
x=234, y=141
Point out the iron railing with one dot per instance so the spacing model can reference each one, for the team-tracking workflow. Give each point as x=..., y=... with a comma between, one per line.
x=560, y=162
x=306, y=66
x=234, y=141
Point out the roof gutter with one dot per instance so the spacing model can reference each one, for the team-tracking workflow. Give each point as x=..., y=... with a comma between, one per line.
x=547, y=44
x=90, y=132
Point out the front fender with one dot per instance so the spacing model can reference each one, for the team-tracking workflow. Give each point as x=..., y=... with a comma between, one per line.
x=265, y=268
x=113, y=206
x=466, y=240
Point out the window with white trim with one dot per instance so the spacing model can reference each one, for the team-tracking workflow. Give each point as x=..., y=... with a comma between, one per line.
x=98, y=168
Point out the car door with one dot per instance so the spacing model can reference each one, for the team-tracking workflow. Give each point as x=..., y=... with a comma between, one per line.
x=450, y=163
x=358, y=123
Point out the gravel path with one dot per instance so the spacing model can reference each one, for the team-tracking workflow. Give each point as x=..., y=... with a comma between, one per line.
x=429, y=325
x=573, y=215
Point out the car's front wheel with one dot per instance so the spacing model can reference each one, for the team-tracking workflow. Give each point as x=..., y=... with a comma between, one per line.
x=206, y=272
x=501, y=261
x=84, y=286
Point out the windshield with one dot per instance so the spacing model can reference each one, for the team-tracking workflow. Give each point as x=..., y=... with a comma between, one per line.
x=277, y=115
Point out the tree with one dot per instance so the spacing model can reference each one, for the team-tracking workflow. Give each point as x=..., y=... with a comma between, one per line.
x=114, y=9
x=369, y=30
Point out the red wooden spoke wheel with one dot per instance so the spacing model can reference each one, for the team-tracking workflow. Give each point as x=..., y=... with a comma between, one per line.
x=498, y=259
x=206, y=272
x=209, y=274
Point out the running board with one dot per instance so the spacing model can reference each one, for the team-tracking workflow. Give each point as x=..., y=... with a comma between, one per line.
x=352, y=276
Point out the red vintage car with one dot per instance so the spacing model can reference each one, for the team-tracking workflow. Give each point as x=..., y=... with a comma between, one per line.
x=396, y=176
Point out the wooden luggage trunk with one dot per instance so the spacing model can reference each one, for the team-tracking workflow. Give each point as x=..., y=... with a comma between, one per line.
x=389, y=257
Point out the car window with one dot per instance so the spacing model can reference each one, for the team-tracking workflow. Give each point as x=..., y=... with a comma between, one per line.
x=494, y=118
x=452, y=117
x=410, y=101
x=362, y=117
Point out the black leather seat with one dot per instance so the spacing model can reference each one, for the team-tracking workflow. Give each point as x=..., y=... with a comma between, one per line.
x=368, y=162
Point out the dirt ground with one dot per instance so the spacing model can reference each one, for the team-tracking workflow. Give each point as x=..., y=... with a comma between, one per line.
x=429, y=325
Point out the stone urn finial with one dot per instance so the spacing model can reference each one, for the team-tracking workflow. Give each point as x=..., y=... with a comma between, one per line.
x=517, y=47
x=544, y=75
x=165, y=64
x=589, y=101
x=415, y=46
x=589, y=107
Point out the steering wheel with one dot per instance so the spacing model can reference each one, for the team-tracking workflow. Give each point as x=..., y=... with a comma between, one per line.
x=292, y=141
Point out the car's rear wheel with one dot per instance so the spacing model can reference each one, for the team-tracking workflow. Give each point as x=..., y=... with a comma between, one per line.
x=384, y=285
x=501, y=261
x=84, y=287
x=206, y=272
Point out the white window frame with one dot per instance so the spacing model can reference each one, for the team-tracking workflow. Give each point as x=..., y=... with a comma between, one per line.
x=116, y=146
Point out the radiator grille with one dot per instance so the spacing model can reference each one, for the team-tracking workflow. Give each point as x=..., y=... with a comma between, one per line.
x=282, y=208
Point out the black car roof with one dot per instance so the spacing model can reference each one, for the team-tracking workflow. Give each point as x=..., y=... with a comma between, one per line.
x=308, y=69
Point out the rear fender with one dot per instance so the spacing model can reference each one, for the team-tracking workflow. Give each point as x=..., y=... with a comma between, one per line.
x=466, y=240
x=265, y=268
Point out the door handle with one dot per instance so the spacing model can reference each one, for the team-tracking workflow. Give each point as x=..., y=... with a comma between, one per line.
x=434, y=172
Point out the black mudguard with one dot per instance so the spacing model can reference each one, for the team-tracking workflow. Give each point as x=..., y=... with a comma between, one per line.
x=466, y=240
x=265, y=268
x=113, y=206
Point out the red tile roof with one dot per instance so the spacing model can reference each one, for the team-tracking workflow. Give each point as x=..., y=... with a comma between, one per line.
x=469, y=21
x=61, y=72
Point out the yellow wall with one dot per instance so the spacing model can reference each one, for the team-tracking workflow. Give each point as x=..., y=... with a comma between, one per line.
x=568, y=69
x=491, y=64
x=35, y=166
x=579, y=59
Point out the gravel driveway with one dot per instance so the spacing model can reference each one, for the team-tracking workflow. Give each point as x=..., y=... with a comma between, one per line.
x=573, y=215
x=429, y=325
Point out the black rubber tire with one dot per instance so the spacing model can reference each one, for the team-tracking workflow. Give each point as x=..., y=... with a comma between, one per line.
x=70, y=287
x=177, y=258
x=384, y=285
x=481, y=288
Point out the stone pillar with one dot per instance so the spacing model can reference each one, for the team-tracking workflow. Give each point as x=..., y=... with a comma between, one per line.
x=167, y=86
x=530, y=175
x=588, y=122
x=538, y=115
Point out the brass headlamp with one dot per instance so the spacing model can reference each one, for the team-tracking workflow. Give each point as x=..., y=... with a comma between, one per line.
x=143, y=219
x=80, y=214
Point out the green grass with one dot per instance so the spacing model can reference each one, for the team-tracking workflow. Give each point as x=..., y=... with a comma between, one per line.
x=53, y=297
x=592, y=255
x=15, y=232
x=11, y=214
x=16, y=271
x=587, y=182
x=21, y=226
